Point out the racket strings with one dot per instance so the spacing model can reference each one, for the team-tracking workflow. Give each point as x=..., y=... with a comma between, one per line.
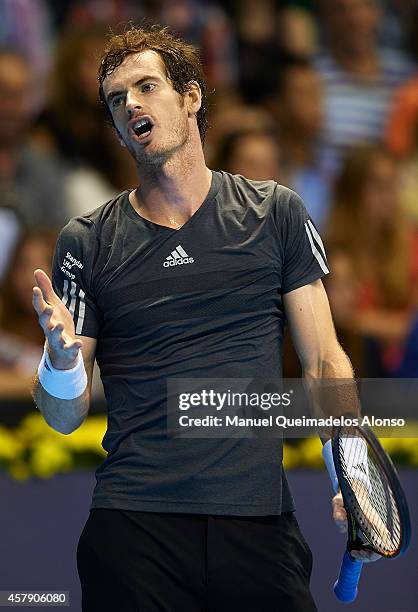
x=386, y=510
x=373, y=503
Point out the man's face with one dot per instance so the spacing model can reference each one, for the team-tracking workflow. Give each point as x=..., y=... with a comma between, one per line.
x=137, y=91
x=351, y=22
x=257, y=157
x=302, y=100
x=15, y=99
x=381, y=191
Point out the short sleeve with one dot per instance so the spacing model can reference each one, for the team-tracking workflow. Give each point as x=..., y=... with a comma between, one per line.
x=72, y=269
x=304, y=258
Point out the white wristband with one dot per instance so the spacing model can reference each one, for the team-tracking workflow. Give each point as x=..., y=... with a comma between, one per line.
x=62, y=384
x=329, y=462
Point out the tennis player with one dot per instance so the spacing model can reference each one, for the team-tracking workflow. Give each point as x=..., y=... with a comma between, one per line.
x=189, y=275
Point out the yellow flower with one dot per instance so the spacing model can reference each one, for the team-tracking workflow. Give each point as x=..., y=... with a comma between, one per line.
x=88, y=437
x=19, y=470
x=10, y=445
x=49, y=457
x=290, y=457
x=32, y=427
x=310, y=453
x=401, y=450
x=36, y=448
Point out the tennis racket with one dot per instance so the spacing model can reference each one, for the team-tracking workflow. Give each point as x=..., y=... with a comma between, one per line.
x=376, y=506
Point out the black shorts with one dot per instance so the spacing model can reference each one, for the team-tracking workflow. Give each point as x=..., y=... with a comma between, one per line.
x=131, y=561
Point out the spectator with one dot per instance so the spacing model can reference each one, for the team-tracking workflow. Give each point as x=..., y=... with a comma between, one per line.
x=21, y=340
x=342, y=288
x=253, y=153
x=73, y=124
x=21, y=343
x=87, y=13
x=229, y=115
x=409, y=365
x=25, y=27
x=402, y=126
x=396, y=19
x=359, y=77
x=367, y=224
x=10, y=229
x=206, y=25
x=402, y=131
x=31, y=182
x=295, y=102
x=402, y=140
x=268, y=37
x=299, y=36
x=259, y=46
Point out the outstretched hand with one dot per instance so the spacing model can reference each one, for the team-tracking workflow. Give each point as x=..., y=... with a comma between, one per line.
x=56, y=322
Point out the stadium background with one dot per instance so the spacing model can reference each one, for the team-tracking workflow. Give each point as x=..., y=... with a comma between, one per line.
x=319, y=95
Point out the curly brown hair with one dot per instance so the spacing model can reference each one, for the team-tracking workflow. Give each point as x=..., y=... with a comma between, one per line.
x=181, y=61
x=347, y=230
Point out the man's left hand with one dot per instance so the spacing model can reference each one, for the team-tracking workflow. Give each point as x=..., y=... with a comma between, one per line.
x=340, y=517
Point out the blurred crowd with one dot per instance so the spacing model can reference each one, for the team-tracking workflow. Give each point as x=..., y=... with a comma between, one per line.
x=319, y=95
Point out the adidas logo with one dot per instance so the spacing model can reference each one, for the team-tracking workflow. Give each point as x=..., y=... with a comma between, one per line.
x=361, y=467
x=177, y=257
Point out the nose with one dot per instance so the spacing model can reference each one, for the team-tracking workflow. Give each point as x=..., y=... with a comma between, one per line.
x=132, y=103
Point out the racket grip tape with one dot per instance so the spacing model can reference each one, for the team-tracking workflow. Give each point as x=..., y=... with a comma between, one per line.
x=345, y=588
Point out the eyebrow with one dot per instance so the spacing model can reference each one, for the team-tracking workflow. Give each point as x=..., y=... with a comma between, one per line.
x=118, y=92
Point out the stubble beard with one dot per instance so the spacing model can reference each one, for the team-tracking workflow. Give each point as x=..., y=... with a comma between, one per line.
x=159, y=156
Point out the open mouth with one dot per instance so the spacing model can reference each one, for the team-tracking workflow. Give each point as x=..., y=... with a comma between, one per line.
x=142, y=128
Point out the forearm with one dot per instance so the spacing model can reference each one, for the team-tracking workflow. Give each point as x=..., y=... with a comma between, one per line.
x=331, y=383
x=62, y=415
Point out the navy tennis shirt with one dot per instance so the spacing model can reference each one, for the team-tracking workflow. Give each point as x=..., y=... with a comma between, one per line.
x=204, y=301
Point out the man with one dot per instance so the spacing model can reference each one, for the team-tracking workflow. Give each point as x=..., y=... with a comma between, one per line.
x=189, y=275
x=30, y=180
x=359, y=78
x=295, y=101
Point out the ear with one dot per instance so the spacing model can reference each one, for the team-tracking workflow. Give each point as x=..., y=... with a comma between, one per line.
x=193, y=97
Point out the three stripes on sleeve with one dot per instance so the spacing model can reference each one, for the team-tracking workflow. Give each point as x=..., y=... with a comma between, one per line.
x=74, y=299
x=317, y=246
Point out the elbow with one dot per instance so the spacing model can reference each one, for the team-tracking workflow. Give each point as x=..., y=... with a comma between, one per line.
x=64, y=428
x=65, y=431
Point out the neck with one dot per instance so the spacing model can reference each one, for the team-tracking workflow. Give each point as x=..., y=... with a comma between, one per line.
x=171, y=193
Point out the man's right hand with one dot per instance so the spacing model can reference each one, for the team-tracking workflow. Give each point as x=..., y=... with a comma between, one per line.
x=338, y=513
x=56, y=322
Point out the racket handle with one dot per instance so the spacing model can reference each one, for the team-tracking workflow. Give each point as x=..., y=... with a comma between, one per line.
x=346, y=586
